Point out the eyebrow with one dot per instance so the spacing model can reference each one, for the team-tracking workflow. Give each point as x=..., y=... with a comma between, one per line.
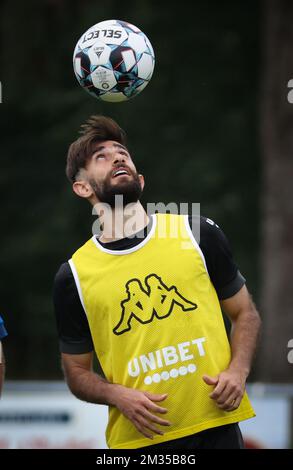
x=102, y=147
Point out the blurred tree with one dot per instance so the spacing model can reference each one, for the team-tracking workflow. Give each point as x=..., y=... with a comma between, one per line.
x=277, y=192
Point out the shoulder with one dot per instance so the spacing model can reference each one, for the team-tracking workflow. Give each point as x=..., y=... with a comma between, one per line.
x=215, y=247
x=206, y=231
x=64, y=276
x=210, y=237
x=72, y=324
x=64, y=287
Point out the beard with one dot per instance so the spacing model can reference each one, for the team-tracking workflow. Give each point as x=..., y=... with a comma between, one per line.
x=106, y=192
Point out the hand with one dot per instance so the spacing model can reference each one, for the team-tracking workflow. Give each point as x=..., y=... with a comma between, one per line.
x=139, y=408
x=229, y=388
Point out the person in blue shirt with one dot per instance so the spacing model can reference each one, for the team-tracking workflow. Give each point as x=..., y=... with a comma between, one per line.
x=3, y=333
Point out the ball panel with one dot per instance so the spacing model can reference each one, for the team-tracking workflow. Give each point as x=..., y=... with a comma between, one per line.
x=145, y=67
x=117, y=58
x=141, y=86
x=77, y=67
x=137, y=42
x=113, y=97
x=150, y=47
x=99, y=53
x=82, y=65
x=129, y=26
x=128, y=59
x=103, y=78
x=106, y=23
x=125, y=83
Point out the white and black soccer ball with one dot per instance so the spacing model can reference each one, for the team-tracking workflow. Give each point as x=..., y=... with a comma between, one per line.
x=113, y=60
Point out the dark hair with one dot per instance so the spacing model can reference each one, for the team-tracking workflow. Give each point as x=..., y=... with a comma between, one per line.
x=96, y=129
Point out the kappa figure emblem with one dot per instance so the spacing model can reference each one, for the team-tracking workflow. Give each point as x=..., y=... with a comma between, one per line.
x=144, y=304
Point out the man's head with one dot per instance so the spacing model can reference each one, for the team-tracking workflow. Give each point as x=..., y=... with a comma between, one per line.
x=100, y=166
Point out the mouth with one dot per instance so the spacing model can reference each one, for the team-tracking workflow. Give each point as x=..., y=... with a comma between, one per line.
x=119, y=172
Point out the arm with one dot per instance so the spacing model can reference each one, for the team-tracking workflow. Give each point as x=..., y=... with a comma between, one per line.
x=135, y=405
x=230, y=384
x=3, y=334
x=2, y=368
x=245, y=330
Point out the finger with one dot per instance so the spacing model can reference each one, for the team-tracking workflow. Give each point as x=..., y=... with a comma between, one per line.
x=155, y=419
x=142, y=431
x=218, y=390
x=149, y=426
x=231, y=404
x=227, y=404
x=155, y=408
x=235, y=404
x=227, y=395
x=153, y=397
x=210, y=380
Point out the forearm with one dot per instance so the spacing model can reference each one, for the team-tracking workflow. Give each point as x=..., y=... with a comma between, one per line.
x=91, y=387
x=2, y=368
x=244, y=337
x=137, y=406
x=1, y=377
x=230, y=383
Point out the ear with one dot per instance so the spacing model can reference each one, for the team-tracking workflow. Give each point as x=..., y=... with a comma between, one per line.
x=141, y=179
x=82, y=189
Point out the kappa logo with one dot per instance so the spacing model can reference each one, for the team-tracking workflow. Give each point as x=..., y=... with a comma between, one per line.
x=145, y=304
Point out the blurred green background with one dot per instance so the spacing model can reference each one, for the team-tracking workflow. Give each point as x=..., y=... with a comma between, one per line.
x=193, y=133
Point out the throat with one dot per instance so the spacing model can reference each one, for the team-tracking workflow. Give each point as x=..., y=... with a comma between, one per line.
x=123, y=226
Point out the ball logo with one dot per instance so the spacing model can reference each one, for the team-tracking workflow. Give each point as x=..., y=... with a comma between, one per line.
x=99, y=51
x=146, y=304
x=101, y=74
x=105, y=86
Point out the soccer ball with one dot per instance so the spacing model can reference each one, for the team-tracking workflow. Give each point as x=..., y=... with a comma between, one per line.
x=113, y=60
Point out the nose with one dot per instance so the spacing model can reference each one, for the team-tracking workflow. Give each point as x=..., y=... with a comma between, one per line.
x=118, y=159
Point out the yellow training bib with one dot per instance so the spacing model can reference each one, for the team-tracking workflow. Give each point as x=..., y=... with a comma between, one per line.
x=157, y=326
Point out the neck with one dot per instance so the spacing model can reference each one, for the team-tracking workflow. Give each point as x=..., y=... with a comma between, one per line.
x=122, y=222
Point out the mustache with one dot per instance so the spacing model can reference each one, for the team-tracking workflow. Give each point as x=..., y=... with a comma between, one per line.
x=120, y=166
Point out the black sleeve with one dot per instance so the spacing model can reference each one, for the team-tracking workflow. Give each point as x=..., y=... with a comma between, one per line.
x=72, y=324
x=215, y=247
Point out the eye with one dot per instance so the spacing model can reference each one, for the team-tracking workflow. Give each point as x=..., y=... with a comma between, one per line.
x=98, y=157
